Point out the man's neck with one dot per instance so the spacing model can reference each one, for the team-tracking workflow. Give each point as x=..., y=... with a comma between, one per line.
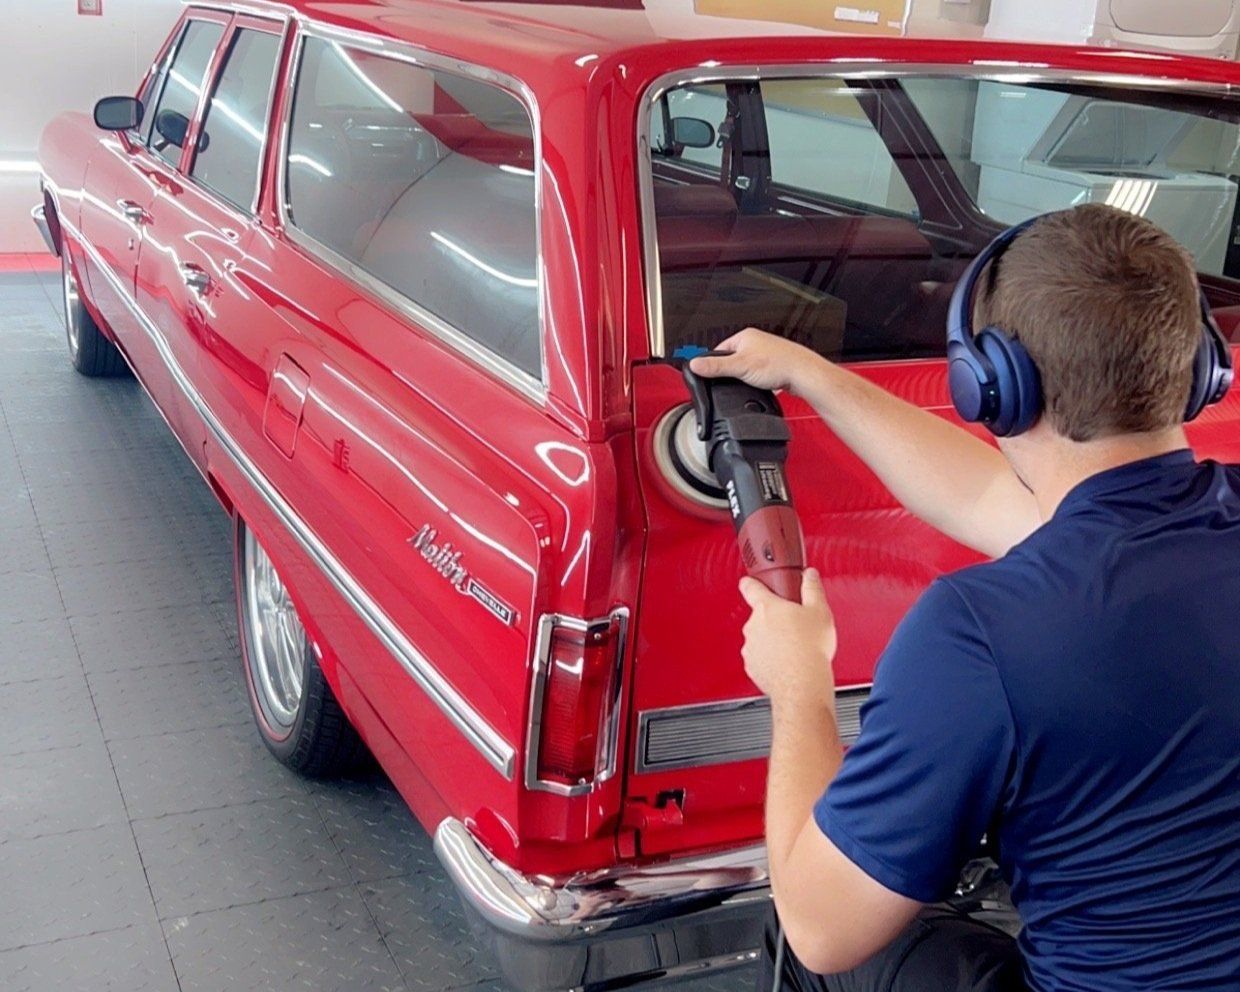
x=1074, y=462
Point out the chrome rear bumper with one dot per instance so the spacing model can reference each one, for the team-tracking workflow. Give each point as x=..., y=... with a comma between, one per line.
x=613, y=927
x=39, y=216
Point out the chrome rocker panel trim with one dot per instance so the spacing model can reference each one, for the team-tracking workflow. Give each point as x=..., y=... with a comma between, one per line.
x=612, y=927
x=499, y=753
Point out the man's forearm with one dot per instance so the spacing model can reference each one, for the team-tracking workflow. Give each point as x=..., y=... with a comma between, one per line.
x=806, y=753
x=954, y=481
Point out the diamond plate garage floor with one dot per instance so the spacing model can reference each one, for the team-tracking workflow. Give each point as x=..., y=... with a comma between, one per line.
x=147, y=840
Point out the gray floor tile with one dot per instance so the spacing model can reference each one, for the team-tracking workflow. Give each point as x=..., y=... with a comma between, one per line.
x=23, y=548
x=113, y=501
x=214, y=859
x=103, y=468
x=70, y=885
x=64, y=789
x=420, y=917
x=29, y=594
x=132, y=638
x=198, y=769
x=167, y=698
x=109, y=587
x=37, y=649
x=120, y=541
x=214, y=574
x=47, y=713
x=374, y=829
x=133, y=959
x=320, y=942
x=15, y=501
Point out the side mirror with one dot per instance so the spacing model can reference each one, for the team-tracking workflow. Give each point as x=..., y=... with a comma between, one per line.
x=118, y=113
x=172, y=127
x=692, y=132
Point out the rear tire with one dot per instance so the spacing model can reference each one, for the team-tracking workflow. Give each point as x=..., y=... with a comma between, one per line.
x=91, y=353
x=294, y=709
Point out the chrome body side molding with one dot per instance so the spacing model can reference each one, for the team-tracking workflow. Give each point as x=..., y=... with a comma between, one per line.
x=498, y=752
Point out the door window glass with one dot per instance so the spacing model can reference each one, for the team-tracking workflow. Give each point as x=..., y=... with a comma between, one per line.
x=186, y=78
x=424, y=181
x=230, y=145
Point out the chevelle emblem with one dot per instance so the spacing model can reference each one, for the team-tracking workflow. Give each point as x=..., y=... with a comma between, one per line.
x=445, y=560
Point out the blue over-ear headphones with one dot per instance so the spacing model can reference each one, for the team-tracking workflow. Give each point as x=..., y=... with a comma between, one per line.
x=994, y=381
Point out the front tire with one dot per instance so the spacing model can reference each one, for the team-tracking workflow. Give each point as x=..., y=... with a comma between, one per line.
x=91, y=353
x=297, y=715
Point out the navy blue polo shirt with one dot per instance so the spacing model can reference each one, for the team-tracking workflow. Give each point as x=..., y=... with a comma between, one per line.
x=1079, y=699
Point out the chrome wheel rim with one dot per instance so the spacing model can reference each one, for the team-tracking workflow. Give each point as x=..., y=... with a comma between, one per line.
x=73, y=318
x=277, y=639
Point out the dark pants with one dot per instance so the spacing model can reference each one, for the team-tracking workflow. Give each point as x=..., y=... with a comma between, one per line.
x=940, y=951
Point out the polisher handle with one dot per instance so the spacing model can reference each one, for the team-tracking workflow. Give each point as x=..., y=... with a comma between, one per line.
x=773, y=551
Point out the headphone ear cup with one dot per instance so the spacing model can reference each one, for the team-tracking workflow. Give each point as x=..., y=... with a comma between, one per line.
x=1018, y=384
x=1205, y=377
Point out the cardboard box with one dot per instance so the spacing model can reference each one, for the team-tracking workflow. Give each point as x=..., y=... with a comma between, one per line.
x=871, y=17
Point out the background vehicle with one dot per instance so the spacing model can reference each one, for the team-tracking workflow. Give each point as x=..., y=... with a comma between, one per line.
x=400, y=287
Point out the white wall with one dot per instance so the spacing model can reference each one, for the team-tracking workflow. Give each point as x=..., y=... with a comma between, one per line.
x=53, y=59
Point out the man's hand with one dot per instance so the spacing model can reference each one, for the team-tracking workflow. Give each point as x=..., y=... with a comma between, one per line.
x=789, y=647
x=760, y=359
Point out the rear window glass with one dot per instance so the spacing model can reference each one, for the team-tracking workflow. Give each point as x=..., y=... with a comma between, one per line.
x=424, y=181
x=840, y=213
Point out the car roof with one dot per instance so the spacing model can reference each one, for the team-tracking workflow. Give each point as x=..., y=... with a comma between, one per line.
x=530, y=39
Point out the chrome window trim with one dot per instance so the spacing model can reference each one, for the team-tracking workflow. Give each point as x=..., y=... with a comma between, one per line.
x=263, y=8
x=204, y=111
x=646, y=717
x=529, y=386
x=538, y=687
x=1015, y=73
x=498, y=753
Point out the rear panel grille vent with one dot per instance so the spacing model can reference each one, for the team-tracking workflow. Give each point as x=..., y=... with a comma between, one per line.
x=715, y=733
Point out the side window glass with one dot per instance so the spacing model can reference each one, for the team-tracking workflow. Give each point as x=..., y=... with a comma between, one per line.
x=424, y=181
x=803, y=118
x=705, y=104
x=172, y=114
x=230, y=144
x=150, y=94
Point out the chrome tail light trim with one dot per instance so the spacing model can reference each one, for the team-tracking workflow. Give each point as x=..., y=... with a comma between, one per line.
x=547, y=625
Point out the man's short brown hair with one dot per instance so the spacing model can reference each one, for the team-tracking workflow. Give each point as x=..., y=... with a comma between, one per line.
x=1107, y=305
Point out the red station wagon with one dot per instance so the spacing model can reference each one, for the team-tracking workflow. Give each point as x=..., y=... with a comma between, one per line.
x=400, y=274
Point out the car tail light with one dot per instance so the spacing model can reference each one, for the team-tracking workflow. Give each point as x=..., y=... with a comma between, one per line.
x=575, y=704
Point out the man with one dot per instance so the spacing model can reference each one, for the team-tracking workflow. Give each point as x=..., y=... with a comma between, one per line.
x=1075, y=699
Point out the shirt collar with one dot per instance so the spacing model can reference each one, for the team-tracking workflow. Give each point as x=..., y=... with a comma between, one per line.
x=1124, y=478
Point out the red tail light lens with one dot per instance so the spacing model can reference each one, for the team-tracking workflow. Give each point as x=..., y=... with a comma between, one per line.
x=575, y=714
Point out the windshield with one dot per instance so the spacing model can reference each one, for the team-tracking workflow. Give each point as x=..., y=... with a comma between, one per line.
x=840, y=213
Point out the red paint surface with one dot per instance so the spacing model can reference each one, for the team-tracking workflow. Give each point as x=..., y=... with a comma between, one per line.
x=555, y=508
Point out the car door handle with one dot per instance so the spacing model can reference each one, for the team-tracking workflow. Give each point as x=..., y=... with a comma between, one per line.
x=133, y=211
x=195, y=277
